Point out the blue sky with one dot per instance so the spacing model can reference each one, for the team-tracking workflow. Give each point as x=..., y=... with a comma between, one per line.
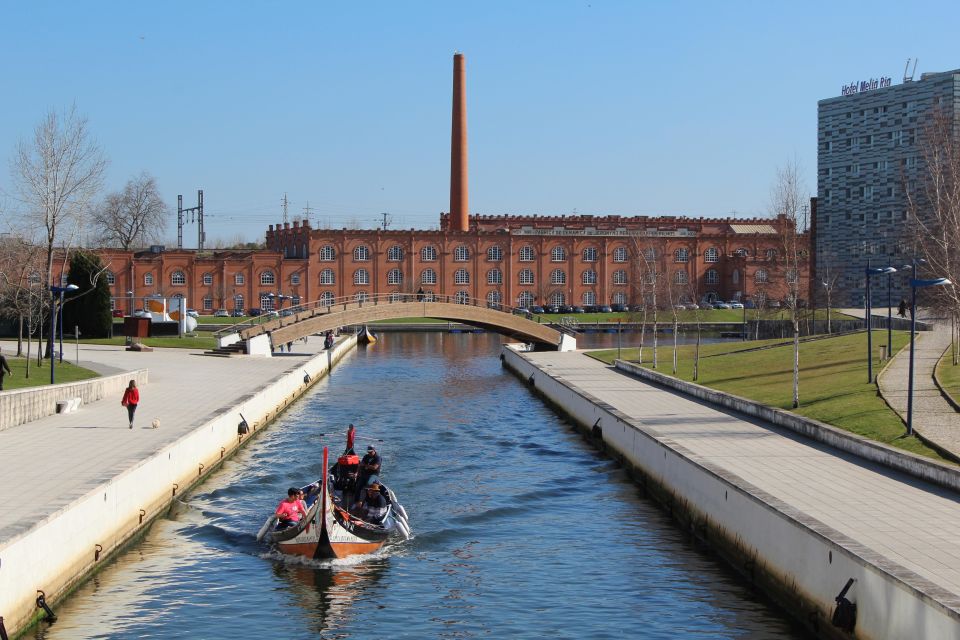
x=598, y=107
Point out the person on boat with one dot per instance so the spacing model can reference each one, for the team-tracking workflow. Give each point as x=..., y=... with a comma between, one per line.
x=302, y=497
x=373, y=506
x=290, y=510
x=369, y=470
x=351, y=437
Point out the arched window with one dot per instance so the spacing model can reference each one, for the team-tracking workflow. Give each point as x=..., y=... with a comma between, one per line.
x=361, y=276
x=681, y=255
x=295, y=278
x=461, y=276
x=620, y=277
x=761, y=276
x=361, y=296
x=525, y=299
x=589, y=277
x=395, y=253
x=238, y=302
x=397, y=297
x=792, y=276
x=711, y=255
x=462, y=297
x=238, y=278
x=177, y=278
x=735, y=276
x=495, y=254
x=650, y=277
x=620, y=298
x=394, y=276
x=428, y=276
x=111, y=279
x=207, y=303
x=148, y=279
x=558, y=276
x=712, y=277
x=771, y=254
x=494, y=298
x=527, y=254
x=558, y=299
x=494, y=276
x=428, y=254
x=649, y=253
x=327, y=298
x=361, y=253
x=327, y=277
x=558, y=254
x=267, y=277
x=461, y=254
x=207, y=279
x=266, y=302
x=742, y=252
x=589, y=297
x=327, y=253
x=526, y=276
x=620, y=254
x=590, y=254
x=680, y=277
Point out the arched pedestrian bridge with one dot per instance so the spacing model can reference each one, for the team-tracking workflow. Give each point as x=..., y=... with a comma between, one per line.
x=260, y=335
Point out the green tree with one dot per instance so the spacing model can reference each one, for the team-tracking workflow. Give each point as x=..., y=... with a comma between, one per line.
x=88, y=308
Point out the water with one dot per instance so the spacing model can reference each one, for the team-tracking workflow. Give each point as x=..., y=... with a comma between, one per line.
x=521, y=529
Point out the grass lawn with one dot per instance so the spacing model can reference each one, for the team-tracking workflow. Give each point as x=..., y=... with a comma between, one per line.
x=40, y=375
x=833, y=380
x=186, y=342
x=666, y=317
x=949, y=375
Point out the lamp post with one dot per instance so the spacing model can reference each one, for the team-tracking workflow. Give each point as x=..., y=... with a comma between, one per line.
x=130, y=295
x=53, y=323
x=826, y=290
x=914, y=285
x=872, y=272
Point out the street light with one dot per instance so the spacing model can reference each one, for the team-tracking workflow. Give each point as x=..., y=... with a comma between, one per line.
x=826, y=290
x=873, y=272
x=914, y=285
x=53, y=322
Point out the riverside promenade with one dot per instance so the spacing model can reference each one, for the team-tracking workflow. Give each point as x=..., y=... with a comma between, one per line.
x=52, y=470
x=899, y=536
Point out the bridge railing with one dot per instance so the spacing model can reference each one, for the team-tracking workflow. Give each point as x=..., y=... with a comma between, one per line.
x=344, y=303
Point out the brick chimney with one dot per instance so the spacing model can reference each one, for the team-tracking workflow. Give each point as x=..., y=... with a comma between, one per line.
x=459, y=210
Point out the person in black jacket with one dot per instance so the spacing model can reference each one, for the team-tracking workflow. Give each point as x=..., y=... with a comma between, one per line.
x=4, y=368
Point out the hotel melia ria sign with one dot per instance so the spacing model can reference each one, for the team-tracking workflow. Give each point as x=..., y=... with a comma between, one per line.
x=864, y=85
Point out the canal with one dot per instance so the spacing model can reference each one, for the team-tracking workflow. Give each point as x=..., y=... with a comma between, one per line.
x=521, y=529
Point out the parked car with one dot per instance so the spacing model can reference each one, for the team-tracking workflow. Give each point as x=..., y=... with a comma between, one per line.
x=749, y=304
x=579, y=310
x=619, y=308
x=536, y=309
x=735, y=305
x=720, y=305
x=604, y=309
x=255, y=312
x=774, y=304
x=117, y=313
x=551, y=308
x=566, y=308
x=193, y=313
x=692, y=306
x=636, y=308
x=238, y=313
x=221, y=313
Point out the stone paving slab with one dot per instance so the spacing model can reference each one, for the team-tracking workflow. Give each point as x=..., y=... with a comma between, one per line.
x=47, y=464
x=933, y=417
x=914, y=524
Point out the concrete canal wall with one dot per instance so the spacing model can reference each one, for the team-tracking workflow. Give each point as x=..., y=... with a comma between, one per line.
x=792, y=556
x=60, y=551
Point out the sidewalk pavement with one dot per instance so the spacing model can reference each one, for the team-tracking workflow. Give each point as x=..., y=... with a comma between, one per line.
x=905, y=522
x=48, y=463
x=934, y=418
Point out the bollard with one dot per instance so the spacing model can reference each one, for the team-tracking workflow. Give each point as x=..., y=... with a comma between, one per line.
x=3, y=630
x=142, y=514
x=42, y=604
x=97, y=550
x=200, y=471
x=175, y=487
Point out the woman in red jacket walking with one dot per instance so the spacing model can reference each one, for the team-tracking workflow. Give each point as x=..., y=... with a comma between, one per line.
x=131, y=398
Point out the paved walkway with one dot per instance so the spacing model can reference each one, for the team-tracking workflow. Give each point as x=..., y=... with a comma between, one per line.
x=905, y=521
x=933, y=417
x=47, y=464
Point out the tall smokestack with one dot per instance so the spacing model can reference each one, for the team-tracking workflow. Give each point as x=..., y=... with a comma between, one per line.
x=459, y=211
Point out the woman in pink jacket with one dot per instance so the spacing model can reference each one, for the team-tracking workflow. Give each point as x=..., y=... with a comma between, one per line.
x=131, y=398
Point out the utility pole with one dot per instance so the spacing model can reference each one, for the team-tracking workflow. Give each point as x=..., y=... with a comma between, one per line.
x=386, y=220
x=306, y=211
x=190, y=215
x=285, y=208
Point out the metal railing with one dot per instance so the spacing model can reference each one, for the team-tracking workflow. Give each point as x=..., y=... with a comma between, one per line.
x=314, y=308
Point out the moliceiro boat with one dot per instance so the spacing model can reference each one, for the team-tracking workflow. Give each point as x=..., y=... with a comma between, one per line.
x=330, y=530
x=365, y=336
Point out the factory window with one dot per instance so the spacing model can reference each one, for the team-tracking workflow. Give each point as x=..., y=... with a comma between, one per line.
x=361, y=254
x=394, y=276
x=462, y=297
x=589, y=298
x=207, y=279
x=361, y=276
x=295, y=278
x=527, y=254
x=711, y=255
x=681, y=255
x=207, y=303
x=267, y=277
x=461, y=254
x=557, y=254
x=327, y=253
x=526, y=276
x=713, y=277
x=525, y=299
x=327, y=298
x=428, y=276
x=238, y=278
x=680, y=277
x=761, y=276
x=558, y=299
x=327, y=277
x=620, y=277
x=620, y=254
x=494, y=298
x=111, y=279
x=589, y=277
x=558, y=276
x=590, y=254
x=495, y=254
x=177, y=278
x=494, y=276
x=395, y=254
x=428, y=254
x=461, y=276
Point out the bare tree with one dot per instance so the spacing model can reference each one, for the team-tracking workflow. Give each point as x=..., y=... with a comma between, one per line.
x=56, y=175
x=828, y=278
x=787, y=202
x=933, y=206
x=134, y=217
x=649, y=274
